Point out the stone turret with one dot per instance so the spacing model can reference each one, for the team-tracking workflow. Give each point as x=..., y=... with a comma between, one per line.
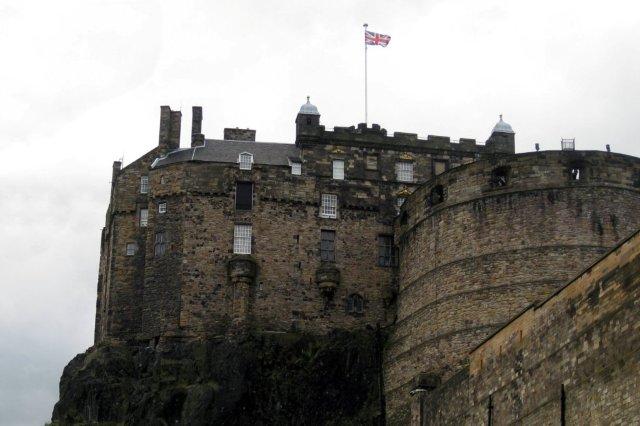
x=307, y=120
x=502, y=139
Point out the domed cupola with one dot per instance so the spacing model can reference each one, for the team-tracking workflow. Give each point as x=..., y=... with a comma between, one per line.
x=502, y=127
x=307, y=120
x=308, y=109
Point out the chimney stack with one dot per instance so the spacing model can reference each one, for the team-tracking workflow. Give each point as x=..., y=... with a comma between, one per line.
x=169, y=138
x=197, y=138
x=239, y=134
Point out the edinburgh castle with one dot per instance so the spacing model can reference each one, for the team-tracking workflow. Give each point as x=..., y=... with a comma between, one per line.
x=357, y=277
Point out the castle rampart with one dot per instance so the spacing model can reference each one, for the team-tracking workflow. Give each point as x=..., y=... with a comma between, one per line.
x=482, y=242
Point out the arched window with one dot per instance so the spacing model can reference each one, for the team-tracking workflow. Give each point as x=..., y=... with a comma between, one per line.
x=355, y=304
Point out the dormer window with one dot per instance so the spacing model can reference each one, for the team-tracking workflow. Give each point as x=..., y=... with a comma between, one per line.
x=245, y=160
x=296, y=168
x=338, y=169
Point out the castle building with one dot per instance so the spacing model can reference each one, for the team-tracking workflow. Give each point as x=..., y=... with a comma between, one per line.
x=442, y=243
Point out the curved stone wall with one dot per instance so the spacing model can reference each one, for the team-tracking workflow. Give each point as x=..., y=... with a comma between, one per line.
x=481, y=242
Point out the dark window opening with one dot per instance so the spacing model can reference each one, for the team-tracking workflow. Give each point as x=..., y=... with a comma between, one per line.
x=309, y=120
x=355, y=304
x=386, y=251
x=327, y=246
x=244, y=195
x=404, y=218
x=437, y=195
x=499, y=177
x=160, y=246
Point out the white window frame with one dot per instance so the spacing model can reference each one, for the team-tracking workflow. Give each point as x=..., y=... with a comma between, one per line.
x=296, y=168
x=245, y=160
x=144, y=218
x=404, y=171
x=329, y=206
x=162, y=207
x=144, y=184
x=131, y=249
x=242, y=239
x=338, y=169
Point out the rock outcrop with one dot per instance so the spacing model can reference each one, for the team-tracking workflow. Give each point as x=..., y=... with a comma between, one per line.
x=266, y=379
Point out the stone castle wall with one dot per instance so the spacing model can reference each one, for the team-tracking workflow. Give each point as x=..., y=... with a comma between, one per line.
x=475, y=250
x=572, y=359
x=189, y=291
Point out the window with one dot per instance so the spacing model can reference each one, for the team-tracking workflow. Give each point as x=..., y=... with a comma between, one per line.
x=160, y=246
x=163, y=180
x=144, y=184
x=242, y=239
x=399, y=202
x=437, y=195
x=144, y=217
x=132, y=248
x=244, y=195
x=439, y=167
x=372, y=162
x=499, y=177
x=296, y=168
x=386, y=251
x=327, y=245
x=245, y=160
x=329, y=206
x=338, y=169
x=162, y=207
x=575, y=172
x=355, y=304
x=404, y=171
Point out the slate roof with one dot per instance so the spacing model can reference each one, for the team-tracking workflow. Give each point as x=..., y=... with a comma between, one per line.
x=222, y=151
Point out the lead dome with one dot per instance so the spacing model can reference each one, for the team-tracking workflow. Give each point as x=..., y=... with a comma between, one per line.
x=308, y=108
x=502, y=127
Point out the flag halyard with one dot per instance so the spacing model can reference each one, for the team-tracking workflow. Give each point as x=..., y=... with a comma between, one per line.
x=375, y=39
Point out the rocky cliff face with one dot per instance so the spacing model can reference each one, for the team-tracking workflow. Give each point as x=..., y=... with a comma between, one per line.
x=274, y=379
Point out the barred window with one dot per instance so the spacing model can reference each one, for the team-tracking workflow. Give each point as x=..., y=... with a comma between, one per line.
x=296, y=168
x=242, y=239
x=144, y=217
x=244, y=195
x=386, y=251
x=144, y=184
x=372, y=162
x=338, y=169
x=162, y=207
x=400, y=201
x=327, y=245
x=132, y=248
x=160, y=246
x=404, y=171
x=245, y=160
x=329, y=206
x=355, y=304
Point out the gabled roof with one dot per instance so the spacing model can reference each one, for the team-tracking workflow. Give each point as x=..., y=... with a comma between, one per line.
x=223, y=151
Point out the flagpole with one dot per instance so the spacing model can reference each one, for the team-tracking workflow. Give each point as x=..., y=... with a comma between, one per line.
x=365, y=76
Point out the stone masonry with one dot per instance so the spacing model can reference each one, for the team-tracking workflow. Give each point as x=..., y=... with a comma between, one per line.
x=440, y=244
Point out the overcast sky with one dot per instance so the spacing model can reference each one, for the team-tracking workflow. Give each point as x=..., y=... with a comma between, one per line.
x=81, y=83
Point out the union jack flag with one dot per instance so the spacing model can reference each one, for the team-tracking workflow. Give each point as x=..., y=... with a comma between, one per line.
x=376, y=39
